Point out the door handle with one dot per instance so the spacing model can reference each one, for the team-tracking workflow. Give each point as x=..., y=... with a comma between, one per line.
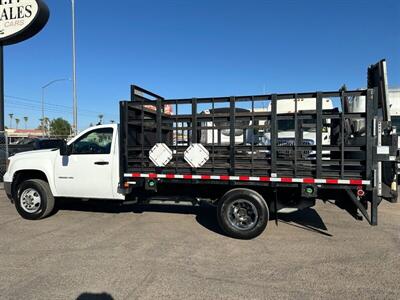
x=101, y=163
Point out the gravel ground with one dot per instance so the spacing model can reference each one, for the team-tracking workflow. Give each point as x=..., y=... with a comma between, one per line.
x=101, y=251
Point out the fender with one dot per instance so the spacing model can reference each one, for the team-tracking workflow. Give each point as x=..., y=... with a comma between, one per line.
x=38, y=160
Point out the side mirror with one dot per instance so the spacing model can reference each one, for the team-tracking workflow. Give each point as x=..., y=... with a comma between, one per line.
x=65, y=150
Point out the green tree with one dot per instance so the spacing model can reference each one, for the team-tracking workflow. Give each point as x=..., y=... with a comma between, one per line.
x=40, y=124
x=16, y=123
x=11, y=117
x=60, y=127
x=26, y=122
x=101, y=119
x=44, y=125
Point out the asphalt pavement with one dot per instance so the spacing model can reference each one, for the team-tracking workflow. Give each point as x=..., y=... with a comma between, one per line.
x=103, y=251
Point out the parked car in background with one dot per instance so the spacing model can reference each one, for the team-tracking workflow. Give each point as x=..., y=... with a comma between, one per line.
x=29, y=144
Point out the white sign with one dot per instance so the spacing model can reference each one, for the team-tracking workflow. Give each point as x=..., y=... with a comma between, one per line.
x=196, y=155
x=21, y=19
x=160, y=155
x=16, y=15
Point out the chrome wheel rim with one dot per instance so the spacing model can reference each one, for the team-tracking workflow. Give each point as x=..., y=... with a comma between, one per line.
x=242, y=214
x=30, y=200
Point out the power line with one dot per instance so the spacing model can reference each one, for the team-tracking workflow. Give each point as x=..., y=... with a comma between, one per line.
x=51, y=110
x=57, y=108
x=55, y=105
x=49, y=104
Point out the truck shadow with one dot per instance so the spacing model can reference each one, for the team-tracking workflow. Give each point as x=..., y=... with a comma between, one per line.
x=205, y=214
x=307, y=219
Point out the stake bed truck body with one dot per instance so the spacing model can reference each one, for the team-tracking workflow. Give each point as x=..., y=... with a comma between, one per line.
x=230, y=151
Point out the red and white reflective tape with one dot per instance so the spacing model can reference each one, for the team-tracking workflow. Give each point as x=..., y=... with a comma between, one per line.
x=250, y=178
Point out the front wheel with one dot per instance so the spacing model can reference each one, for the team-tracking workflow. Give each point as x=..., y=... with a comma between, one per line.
x=34, y=199
x=243, y=213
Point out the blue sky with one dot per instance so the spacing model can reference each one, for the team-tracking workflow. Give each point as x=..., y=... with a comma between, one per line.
x=197, y=49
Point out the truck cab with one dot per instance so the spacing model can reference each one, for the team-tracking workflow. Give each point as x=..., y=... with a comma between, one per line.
x=90, y=170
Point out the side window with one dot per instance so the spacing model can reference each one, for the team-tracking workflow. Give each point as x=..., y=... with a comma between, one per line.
x=94, y=142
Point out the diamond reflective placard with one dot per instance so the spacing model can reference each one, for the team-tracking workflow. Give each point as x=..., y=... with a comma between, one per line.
x=160, y=155
x=196, y=155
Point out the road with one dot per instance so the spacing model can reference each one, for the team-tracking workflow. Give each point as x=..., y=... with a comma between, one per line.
x=92, y=251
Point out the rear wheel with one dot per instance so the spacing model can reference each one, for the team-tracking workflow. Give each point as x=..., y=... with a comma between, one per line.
x=34, y=199
x=243, y=213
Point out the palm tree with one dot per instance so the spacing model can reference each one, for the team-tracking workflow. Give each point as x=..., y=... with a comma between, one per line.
x=112, y=121
x=101, y=119
x=43, y=125
x=46, y=124
x=26, y=122
x=11, y=117
x=16, y=123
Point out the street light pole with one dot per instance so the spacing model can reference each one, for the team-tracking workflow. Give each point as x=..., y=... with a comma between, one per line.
x=75, y=102
x=1, y=89
x=42, y=111
x=43, y=88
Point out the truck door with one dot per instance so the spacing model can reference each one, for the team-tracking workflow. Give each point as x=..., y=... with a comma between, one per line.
x=87, y=172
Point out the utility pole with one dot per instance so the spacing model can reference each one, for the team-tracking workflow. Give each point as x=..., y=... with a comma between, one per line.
x=1, y=89
x=75, y=102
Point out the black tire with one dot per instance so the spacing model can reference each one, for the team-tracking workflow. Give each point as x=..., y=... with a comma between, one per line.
x=252, y=201
x=34, y=188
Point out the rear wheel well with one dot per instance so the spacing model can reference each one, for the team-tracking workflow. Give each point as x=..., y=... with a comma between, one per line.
x=24, y=175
